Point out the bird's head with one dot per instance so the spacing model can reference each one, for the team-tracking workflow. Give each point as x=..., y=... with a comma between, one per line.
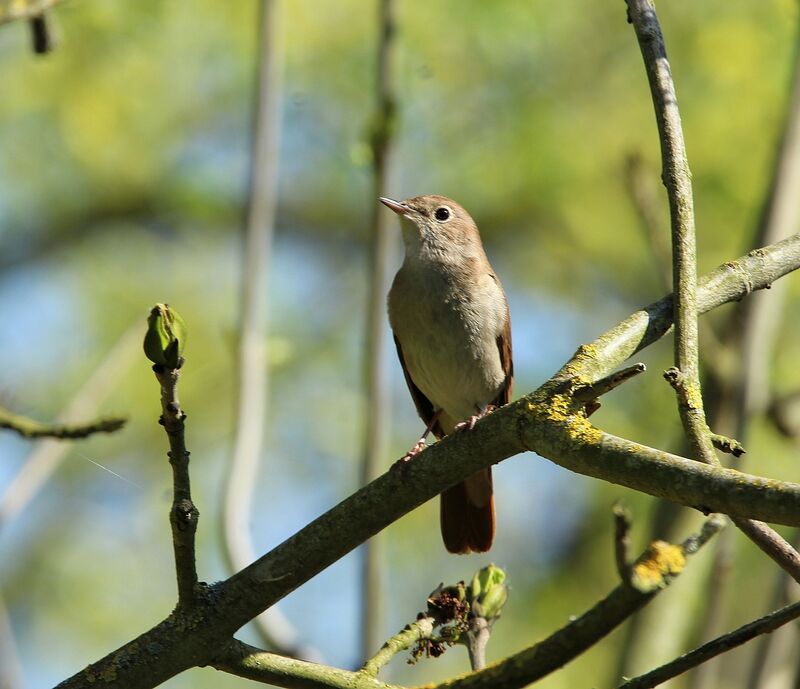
x=436, y=225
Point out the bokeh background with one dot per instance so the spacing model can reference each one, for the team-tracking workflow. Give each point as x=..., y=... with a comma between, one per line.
x=124, y=158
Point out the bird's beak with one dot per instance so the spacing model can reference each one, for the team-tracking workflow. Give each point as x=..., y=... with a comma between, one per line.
x=396, y=206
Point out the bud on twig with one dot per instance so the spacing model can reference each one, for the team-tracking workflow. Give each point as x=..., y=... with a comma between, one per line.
x=488, y=592
x=165, y=338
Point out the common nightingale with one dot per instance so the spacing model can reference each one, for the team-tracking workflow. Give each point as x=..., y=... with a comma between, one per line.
x=452, y=330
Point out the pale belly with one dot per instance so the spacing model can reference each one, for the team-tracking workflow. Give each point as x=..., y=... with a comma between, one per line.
x=460, y=385
x=452, y=354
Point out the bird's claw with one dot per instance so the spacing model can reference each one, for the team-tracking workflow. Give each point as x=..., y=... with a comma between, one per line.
x=413, y=452
x=469, y=423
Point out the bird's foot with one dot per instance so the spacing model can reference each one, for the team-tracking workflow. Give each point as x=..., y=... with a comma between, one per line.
x=413, y=452
x=469, y=424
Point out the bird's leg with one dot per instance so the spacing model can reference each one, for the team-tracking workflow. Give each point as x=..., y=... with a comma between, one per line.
x=469, y=423
x=420, y=444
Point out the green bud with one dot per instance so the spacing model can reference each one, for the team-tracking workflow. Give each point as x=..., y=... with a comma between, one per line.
x=488, y=591
x=165, y=338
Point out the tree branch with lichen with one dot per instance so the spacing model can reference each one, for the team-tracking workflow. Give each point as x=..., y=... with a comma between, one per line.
x=547, y=420
x=685, y=376
x=652, y=572
x=411, y=634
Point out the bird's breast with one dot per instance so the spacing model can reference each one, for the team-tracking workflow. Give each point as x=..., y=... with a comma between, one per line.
x=448, y=330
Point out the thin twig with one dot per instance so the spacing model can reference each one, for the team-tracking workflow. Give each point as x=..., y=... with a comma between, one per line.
x=478, y=636
x=771, y=543
x=242, y=660
x=184, y=515
x=376, y=390
x=763, y=625
x=402, y=641
x=730, y=446
x=29, y=428
x=608, y=383
x=48, y=454
x=760, y=662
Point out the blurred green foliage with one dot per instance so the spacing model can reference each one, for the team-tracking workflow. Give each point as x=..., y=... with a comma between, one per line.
x=123, y=160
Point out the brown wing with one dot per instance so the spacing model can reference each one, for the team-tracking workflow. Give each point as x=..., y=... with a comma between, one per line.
x=423, y=404
x=506, y=361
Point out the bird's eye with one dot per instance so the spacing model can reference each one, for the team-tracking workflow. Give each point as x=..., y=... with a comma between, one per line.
x=442, y=213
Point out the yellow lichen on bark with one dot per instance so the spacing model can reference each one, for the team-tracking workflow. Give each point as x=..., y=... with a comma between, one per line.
x=560, y=409
x=694, y=398
x=659, y=563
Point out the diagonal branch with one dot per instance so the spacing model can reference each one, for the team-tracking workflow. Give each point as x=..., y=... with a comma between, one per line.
x=764, y=625
x=240, y=659
x=652, y=572
x=547, y=420
x=421, y=628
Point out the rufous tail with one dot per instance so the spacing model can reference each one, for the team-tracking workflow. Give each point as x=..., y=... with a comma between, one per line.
x=467, y=514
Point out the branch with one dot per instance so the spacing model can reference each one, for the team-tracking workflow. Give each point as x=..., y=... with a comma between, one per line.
x=608, y=383
x=402, y=641
x=28, y=428
x=764, y=625
x=653, y=571
x=376, y=390
x=772, y=544
x=184, y=515
x=47, y=455
x=728, y=445
x=732, y=281
x=240, y=659
x=544, y=420
x=677, y=180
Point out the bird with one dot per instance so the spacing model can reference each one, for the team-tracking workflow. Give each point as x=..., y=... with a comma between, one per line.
x=452, y=330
